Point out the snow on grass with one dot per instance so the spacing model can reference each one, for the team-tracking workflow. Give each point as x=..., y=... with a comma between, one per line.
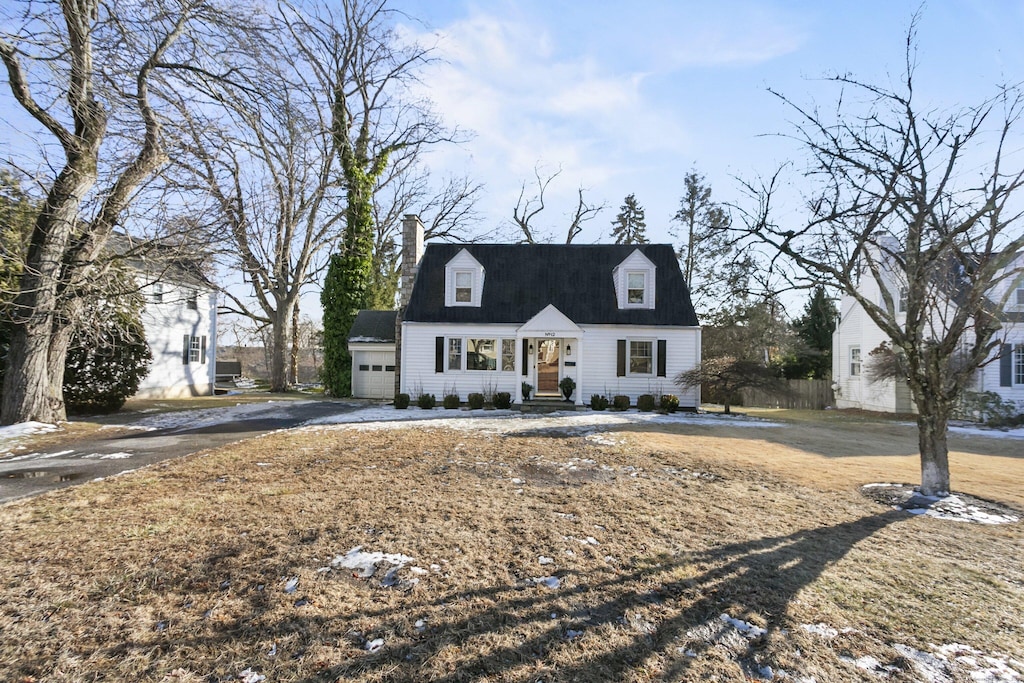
x=987, y=432
x=209, y=417
x=958, y=508
x=11, y=434
x=575, y=423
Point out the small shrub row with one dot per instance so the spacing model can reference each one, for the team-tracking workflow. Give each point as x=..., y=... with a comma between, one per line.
x=645, y=403
x=501, y=400
x=598, y=402
x=666, y=403
x=620, y=402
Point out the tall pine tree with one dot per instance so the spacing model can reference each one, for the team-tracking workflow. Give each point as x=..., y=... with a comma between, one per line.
x=629, y=226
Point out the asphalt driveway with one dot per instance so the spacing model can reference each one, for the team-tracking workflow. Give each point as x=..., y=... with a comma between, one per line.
x=109, y=452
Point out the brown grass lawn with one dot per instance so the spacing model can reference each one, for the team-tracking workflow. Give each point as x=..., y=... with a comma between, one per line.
x=178, y=572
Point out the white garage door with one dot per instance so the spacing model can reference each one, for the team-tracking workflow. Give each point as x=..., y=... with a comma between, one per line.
x=373, y=374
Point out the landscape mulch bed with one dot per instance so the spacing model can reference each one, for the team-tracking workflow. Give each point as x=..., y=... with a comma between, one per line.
x=437, y=555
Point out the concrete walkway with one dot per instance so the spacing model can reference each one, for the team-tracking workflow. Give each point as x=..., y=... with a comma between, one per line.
x=110, y=452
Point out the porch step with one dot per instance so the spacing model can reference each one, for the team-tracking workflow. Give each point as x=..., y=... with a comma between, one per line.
x=546, y=406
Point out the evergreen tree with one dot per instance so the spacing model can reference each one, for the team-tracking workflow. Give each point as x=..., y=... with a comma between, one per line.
x=812, y=359
x=713, y=271
x=629, y=226
x=108, y=356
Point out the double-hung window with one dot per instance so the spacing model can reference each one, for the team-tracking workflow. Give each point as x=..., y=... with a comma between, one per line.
x=641, y=357
x=1018, y=364
x=854, y=361
x=455, y=353
x=463, y=287
x=508, y=355
x=636, y=285
x=192, y=300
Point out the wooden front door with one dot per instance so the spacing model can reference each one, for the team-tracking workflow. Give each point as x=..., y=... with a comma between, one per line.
x=548, y=354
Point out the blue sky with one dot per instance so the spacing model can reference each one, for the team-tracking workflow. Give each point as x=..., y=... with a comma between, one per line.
x=629, y=97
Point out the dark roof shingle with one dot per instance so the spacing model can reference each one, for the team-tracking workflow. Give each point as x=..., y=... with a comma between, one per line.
x=373, y=326
x=521, y=279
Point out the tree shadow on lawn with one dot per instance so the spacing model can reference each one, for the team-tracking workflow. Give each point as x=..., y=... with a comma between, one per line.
x=760, y=576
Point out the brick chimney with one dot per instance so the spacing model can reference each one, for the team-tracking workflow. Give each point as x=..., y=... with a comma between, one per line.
x=412, y=252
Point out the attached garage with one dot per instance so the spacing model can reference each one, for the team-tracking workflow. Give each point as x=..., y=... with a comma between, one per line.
x=371, y=343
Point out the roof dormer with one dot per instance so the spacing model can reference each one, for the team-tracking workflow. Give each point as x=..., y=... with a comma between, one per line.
x=463, y=281
x=634, y=282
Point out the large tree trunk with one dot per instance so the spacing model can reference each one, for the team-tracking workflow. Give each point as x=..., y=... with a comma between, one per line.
x=27, y=391
x=280, y=342
x=932, y=424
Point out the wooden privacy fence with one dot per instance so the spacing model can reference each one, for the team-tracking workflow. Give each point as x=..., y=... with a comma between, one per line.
x=808, y=394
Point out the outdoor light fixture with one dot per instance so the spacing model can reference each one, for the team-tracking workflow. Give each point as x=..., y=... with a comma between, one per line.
x=531, y=348
x=568, y=350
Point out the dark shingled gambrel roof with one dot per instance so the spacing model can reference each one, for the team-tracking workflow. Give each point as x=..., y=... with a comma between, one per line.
x=373, y=326
x=521, y=279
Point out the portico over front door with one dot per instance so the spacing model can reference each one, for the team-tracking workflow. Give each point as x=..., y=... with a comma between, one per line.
x=549, y=352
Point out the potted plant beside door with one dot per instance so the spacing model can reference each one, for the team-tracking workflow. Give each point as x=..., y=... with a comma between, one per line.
x=567, y=385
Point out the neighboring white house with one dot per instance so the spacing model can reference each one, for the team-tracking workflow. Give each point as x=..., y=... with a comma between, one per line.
x=180, y=319
x=857, y=335
x=485, y=318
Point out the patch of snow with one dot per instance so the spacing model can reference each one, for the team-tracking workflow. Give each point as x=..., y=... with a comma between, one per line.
x=747, y=629
x=364, y=564
x=547, y=581
x=545, y=560
x=22, y=429
x=420, y=626
x=291, y=585
x=250, y=676
x=988, y=433
x=576, y=423
x=208, y=417
x=823, y=630
x=374, y=645
x=107, y=456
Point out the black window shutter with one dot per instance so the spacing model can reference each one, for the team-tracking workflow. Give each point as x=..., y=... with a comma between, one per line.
x=526, y=357
x=621, y=370
x=202, y=351
x=184, y=351
x=438, y=354
x=662, y=351
x=1006, y=366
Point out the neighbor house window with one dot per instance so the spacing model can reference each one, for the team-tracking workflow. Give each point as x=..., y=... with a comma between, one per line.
x=901, y=307
x=854, y=361
x=156, y=295
x=1020, y=296
x=1018, y=364
x=463, y=287
x=455, y=354
x=192, y=300
x=194, y=350
x=508, y=355
x=635, y=286
x=641, y=357
x=482, y=354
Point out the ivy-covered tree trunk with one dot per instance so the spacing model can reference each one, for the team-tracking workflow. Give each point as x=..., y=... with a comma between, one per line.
x=349, y=276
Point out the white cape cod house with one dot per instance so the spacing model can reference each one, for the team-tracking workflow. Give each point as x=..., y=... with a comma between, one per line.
x=617, y=319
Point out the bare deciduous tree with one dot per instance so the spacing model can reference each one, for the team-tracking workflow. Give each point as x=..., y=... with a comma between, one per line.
x=527, y=208
x=911, y=202
x=90, y=75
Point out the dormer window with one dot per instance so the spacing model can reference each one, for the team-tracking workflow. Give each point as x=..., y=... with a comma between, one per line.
x=634, y=279
x=463, y=280
x=463, y=286
x=636, y=285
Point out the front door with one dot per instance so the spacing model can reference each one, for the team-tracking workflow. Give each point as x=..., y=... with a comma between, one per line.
x=549, y=352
